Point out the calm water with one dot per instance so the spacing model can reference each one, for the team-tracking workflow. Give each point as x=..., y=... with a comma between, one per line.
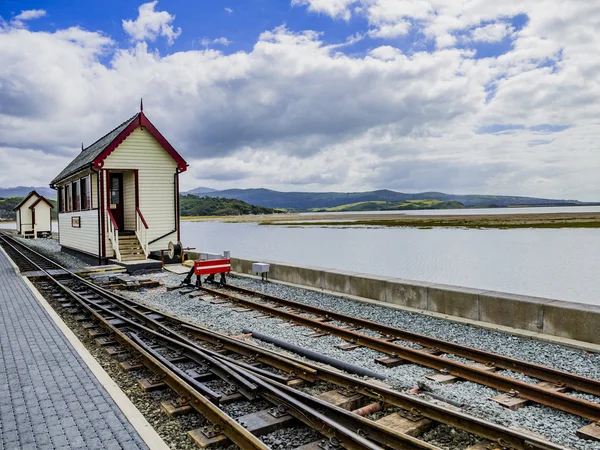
x=556, y=263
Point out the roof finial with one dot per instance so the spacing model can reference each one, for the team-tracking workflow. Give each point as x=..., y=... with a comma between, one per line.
x=82, y=146
x=141, y=105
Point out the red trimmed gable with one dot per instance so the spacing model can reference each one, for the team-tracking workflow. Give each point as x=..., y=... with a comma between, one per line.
x=41, y=199
x=31, y=194
x=141, y=121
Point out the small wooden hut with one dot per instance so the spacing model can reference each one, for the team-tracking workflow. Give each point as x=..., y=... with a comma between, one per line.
x=119, y=198
x=34, y=216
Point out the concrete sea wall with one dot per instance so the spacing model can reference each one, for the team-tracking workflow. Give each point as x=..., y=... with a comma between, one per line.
x=542, y=315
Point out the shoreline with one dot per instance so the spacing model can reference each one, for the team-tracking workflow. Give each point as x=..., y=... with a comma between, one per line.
x=475, y=221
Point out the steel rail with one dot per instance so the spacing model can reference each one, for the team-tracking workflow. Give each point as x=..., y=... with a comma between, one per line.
x=354, y=429
x=504, y=436
x=234, y=431
x=557, y=400
x=350, y=439
x=274, y=360
x=560, y=377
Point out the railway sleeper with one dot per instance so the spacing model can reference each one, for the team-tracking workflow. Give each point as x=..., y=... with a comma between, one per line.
x=344, y=399
x=407, y=423
x=591, y=431
x=258, y=423
x=177, y=407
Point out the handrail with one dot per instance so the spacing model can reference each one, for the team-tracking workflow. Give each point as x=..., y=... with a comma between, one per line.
x=141, y=230
x=112, y=219
x=141, y=216
x=113, y=234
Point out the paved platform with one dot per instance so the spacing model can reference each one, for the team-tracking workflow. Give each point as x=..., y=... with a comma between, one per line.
x=49, y=398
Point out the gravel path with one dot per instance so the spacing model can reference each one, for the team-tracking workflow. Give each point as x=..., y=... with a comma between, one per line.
x=51, y=249
x=554, y=425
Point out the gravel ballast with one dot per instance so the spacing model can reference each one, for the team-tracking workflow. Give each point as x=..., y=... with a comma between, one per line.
x=51, y=249
x=552, y=424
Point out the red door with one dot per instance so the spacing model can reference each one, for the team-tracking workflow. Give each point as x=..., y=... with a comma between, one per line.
x=116, y=199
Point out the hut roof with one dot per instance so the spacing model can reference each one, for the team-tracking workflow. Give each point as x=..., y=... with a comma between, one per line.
x=31, y=194
x=95, y=154
x=87, y=156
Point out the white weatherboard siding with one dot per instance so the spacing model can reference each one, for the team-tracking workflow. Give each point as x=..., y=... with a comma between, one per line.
x=156, y=170
x=84, y=239
x=26, y=219
x=129, y=200
x=42, y=217
x=94, y=182
x=18, y=220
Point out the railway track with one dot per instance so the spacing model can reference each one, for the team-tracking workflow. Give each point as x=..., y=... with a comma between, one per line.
x=226, y=369
x=551, y=391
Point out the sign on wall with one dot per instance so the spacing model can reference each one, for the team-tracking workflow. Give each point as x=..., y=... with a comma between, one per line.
x=76, y=221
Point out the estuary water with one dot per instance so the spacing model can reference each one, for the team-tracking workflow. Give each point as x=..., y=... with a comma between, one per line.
x=555, y=263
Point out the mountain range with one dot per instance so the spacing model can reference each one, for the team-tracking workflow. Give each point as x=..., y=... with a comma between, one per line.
x=316, y=200
x=312, y=200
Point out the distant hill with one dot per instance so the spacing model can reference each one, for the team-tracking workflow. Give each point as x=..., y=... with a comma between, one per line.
x=200, y=190
x=311, y=200
x=210, y=206
x=22, y=191
x=8, y=204
x=393, y=206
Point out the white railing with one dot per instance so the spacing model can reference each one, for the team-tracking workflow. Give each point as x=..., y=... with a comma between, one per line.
x=141, y=230
x=113, y=234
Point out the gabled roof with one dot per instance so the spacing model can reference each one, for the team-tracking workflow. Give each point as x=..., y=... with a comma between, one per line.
x=95, y=154
x=41, y=199
x=86, y=158
x=31, y=194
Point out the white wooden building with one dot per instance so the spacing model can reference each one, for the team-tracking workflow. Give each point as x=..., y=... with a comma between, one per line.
x=119, y=198
x=34, y=216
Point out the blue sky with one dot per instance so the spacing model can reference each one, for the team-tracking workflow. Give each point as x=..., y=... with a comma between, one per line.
x=206, y=19
x=479, y=97
x=197, y=19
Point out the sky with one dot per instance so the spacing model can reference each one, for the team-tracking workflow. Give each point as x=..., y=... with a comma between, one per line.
x=465, y=97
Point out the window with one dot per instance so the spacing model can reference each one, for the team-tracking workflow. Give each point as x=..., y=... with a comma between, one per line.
x=61, y=200
x=75, y=195
x=84, y=192
x=68, y=197
x=115, y=192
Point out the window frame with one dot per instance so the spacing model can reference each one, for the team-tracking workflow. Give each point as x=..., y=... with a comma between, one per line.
x=84, y=194
x=75, y=195
x=68, y=197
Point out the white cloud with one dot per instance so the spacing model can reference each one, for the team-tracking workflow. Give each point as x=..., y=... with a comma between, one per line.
x=493, y=32
x=218, y=41
x=30, y=14
x=150, y=24
x=229, y=10
x=296, y=113
x=339, y=9
x=385, y=53
x=390, y=31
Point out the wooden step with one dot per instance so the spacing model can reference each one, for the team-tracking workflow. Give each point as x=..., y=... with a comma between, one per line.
x=133, y=258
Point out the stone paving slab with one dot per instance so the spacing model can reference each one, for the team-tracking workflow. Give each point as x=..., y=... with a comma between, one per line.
x=49, y=399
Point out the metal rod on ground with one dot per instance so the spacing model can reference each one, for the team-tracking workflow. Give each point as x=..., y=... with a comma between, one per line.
x=315, y=356
x=369, y=409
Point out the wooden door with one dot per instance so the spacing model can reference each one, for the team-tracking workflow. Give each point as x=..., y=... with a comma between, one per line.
x=116, y=199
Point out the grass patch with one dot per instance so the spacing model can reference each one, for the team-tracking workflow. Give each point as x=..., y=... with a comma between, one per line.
x=452, y=223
